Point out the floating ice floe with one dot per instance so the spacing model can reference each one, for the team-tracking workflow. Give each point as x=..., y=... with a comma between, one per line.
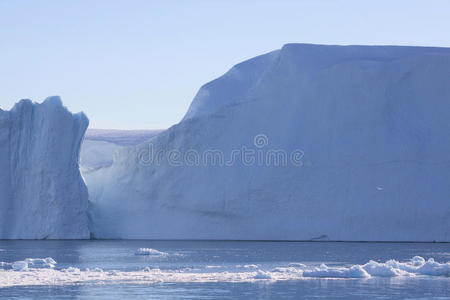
x=250, y=266
x=26, y=273
x=391, y=268
x=355, y=271
x=151, y=252
x=72, y=270
x=213, y=267
x=30, y=263
x=262, y=275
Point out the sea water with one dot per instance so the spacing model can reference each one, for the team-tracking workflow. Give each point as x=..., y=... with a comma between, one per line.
x=142, y=269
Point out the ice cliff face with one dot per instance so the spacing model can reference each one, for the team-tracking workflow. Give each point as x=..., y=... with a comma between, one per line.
x=348, y=143
x=42, y=194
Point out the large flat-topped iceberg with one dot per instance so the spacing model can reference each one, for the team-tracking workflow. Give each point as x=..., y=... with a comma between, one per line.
x=307, y=142
x=42, y=194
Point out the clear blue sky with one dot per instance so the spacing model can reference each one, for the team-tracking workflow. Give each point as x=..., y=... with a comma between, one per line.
x=138, y=64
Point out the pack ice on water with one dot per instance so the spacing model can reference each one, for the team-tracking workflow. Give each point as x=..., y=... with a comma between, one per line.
x=371, y=122
x=40, y=271
x=42, y=194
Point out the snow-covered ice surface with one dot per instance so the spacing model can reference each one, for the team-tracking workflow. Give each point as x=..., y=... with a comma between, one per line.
x=99, y=145
x=371, y=127
x=42, y=194
x=222, y=265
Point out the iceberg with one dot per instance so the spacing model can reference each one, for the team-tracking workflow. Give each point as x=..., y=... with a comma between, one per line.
x=346, y=143
x=99, y=146
x=42, y=193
